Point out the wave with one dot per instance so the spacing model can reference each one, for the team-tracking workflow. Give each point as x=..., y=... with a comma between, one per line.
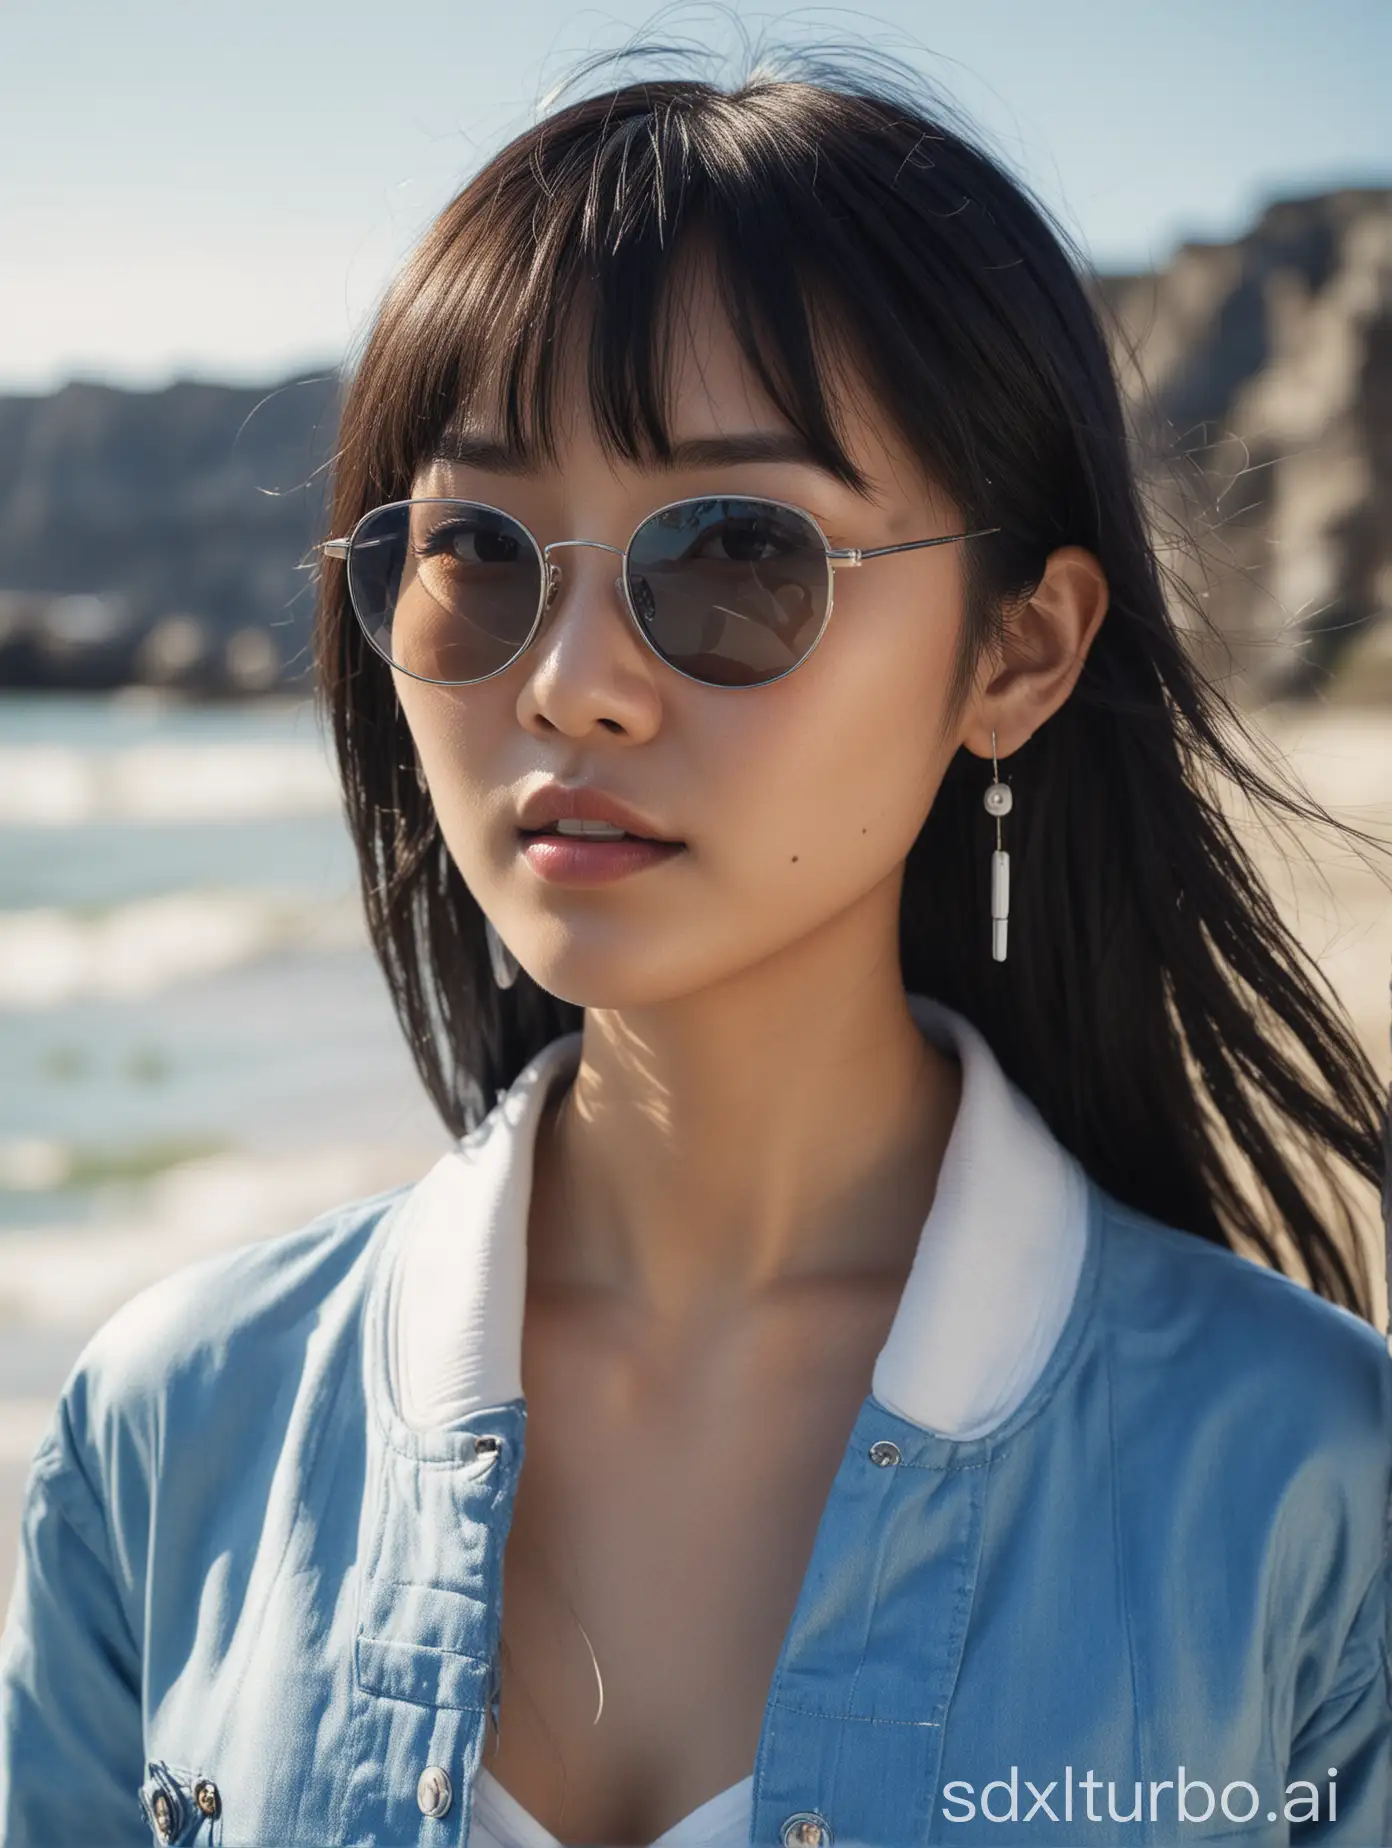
x=61, y=786
x=50, y=957
x=74, y=1276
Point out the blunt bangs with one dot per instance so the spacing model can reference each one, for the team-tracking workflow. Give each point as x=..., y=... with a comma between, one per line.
x=575, y=260
x=581, y=240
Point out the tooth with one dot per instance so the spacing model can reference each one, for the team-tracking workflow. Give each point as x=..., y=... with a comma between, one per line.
x=602, y=830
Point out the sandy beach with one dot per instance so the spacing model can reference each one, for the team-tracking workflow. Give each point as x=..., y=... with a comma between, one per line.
x=58, y=1283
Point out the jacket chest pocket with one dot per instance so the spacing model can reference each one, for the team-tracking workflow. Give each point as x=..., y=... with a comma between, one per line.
x=428, y=1601
x=181, y=1805
x=427, y=1645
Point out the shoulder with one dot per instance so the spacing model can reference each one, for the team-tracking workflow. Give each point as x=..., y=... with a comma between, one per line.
x=221, y=1347
x=1265, y=1400
x=1219, y=1318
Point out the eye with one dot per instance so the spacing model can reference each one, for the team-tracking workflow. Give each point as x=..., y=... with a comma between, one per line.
x=465, y=543
x=745, y=541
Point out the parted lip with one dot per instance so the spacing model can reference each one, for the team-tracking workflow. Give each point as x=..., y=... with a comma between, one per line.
x=554, y=802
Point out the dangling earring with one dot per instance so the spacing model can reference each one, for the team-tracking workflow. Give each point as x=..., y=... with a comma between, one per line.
x=998, y=802
x=504, y=962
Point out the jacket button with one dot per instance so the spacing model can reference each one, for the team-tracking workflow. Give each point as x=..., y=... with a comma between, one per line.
x=165, y=1814
x=884, y=1453
x=205, y=1795
x=433, y=1792
x=807, y=1830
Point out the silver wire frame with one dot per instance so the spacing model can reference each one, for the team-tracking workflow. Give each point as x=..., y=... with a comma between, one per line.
x=837, y=557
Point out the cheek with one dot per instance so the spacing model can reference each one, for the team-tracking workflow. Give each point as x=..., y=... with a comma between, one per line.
x=831, y=772
x=458, y=739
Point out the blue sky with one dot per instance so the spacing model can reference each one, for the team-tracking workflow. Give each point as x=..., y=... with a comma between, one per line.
x=222, y=191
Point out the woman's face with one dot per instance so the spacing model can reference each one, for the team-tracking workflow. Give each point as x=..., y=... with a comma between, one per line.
x=796, y=802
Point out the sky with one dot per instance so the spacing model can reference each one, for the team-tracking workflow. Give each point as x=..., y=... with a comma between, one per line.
x=198, y=190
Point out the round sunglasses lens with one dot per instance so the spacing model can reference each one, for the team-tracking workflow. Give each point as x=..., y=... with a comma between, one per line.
x=446, y=590
x=732, y=591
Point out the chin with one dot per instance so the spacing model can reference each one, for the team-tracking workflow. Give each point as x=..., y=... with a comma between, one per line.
x=589, y=988
x=615, y=978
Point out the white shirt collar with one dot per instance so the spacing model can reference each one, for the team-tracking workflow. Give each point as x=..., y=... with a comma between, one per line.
x=990, y=1288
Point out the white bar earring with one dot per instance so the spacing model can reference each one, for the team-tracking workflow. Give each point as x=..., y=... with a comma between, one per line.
x=998, y=802
x=500, y=956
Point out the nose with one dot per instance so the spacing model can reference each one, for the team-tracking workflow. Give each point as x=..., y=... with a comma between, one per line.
x=586, y=667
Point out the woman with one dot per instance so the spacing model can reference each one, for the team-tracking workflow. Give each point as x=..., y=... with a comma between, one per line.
x=869, y=1047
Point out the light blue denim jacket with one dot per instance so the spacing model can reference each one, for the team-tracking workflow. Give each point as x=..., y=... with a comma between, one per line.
x=1083, y=1544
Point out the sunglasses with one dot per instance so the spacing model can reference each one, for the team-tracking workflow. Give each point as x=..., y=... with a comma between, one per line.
x=729, y=590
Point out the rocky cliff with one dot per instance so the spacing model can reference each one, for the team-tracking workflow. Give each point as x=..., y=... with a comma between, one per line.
x=163, y=536
x=1260, y=376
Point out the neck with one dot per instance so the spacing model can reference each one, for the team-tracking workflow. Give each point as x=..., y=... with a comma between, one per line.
x=784, y=1126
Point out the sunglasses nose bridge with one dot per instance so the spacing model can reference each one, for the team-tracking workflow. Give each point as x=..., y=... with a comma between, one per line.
x=553, y=570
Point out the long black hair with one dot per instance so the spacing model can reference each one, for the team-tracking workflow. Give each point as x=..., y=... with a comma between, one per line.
x=1172, y=1032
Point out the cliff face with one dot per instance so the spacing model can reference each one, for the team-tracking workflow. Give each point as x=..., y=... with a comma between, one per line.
x=1260, y=375
x=161, y=536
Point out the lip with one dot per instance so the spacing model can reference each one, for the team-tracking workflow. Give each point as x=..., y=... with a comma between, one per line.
x=580, y=802
x=572, y=861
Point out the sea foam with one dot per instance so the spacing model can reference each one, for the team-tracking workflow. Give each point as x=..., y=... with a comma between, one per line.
x=50, y=956
x=59, y=785
x=75, y=1276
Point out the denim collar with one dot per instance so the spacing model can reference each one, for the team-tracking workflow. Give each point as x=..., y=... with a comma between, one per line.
x=991, y=1285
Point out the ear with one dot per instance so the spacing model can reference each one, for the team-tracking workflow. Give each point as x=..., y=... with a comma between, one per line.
x=1047, y=638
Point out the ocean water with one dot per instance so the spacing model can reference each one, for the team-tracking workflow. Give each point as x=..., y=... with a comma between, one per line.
x=196, y=1045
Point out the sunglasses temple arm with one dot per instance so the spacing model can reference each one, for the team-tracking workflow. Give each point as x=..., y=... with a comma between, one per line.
x=911, y=545
x=334, y=548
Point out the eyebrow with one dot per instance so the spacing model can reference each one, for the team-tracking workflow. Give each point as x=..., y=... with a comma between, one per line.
x=496, y=458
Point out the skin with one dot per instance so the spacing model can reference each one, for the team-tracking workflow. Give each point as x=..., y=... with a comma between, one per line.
x=727, y=1200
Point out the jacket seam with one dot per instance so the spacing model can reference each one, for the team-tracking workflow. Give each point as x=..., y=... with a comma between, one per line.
x=69, y=1455
x=876, y=1581
x=454, y=1464
x=858, y=1719
x=304, y=1479
x=105, y=1566
x=950, y=1468
x=449, y=1591
x=1270, y=1630
x=359, y=1697
x=1118, y=1540
x=1382, y=1666
x=1331, y=1688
